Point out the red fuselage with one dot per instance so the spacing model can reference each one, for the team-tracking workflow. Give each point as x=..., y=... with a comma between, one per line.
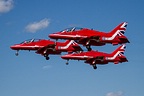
x=42, y=46
x=92, y=37
x=31, y=44
x=95, y=57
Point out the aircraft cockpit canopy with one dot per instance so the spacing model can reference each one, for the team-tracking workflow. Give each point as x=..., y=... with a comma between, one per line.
x=72, y=29
x=30, y=40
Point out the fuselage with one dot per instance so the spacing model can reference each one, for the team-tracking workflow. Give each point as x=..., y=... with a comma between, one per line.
x=42, y=46
x=32, y=44
x=94, y=37
x=95, y=57
x=84, y=55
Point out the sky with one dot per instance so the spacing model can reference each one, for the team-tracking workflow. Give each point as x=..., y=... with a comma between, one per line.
x=29, y=74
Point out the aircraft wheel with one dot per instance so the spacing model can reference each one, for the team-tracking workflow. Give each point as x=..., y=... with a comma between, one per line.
x=47, y=58
x=16, y=53
x=88, y=47
x=67, y=62
x=94, y=66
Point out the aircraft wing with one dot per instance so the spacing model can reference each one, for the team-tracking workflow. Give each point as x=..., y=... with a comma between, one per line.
x=87, y=40
x=89, y=37
x=50, y=47
x=95, y=60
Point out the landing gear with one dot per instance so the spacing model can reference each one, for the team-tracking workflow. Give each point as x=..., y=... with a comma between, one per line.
x=17, y=53
x=94, y=66
x=88, y=47
x=56, y=42
x=46, y=56
x=67, y=62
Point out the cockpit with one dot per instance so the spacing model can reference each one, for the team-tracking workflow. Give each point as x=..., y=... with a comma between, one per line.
x=30, y=40
x=71, y=29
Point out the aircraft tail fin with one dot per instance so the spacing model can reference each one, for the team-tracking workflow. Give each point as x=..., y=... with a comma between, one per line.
x=118, y=52
x=67, y=43
x=70, y=45
x=119, y=30
x=119, y=49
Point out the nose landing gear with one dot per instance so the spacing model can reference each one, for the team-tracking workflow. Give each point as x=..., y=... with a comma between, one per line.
x=17, y=53
x=67, y=62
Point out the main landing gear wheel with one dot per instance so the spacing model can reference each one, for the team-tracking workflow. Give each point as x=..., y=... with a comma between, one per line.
x=94, y=66
x=67, y=63
x=88, y=47
x=47, y=58
x=56, y=42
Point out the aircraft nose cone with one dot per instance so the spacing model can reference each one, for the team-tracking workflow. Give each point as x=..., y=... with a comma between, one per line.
x=13, y=47
x=65, y=57
x=52, y=36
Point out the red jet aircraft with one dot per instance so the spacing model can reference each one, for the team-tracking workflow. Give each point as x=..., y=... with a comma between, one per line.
x=88, y=37
x=94, y=57
x=46, y=47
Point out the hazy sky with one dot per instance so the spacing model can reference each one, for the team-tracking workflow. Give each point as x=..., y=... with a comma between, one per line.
x=29, y=74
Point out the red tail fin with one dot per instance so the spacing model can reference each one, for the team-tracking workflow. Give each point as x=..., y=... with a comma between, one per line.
x=66, y=42
x=119, y=30
x=119, y=49
x=117, y=52
x=69, y=44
